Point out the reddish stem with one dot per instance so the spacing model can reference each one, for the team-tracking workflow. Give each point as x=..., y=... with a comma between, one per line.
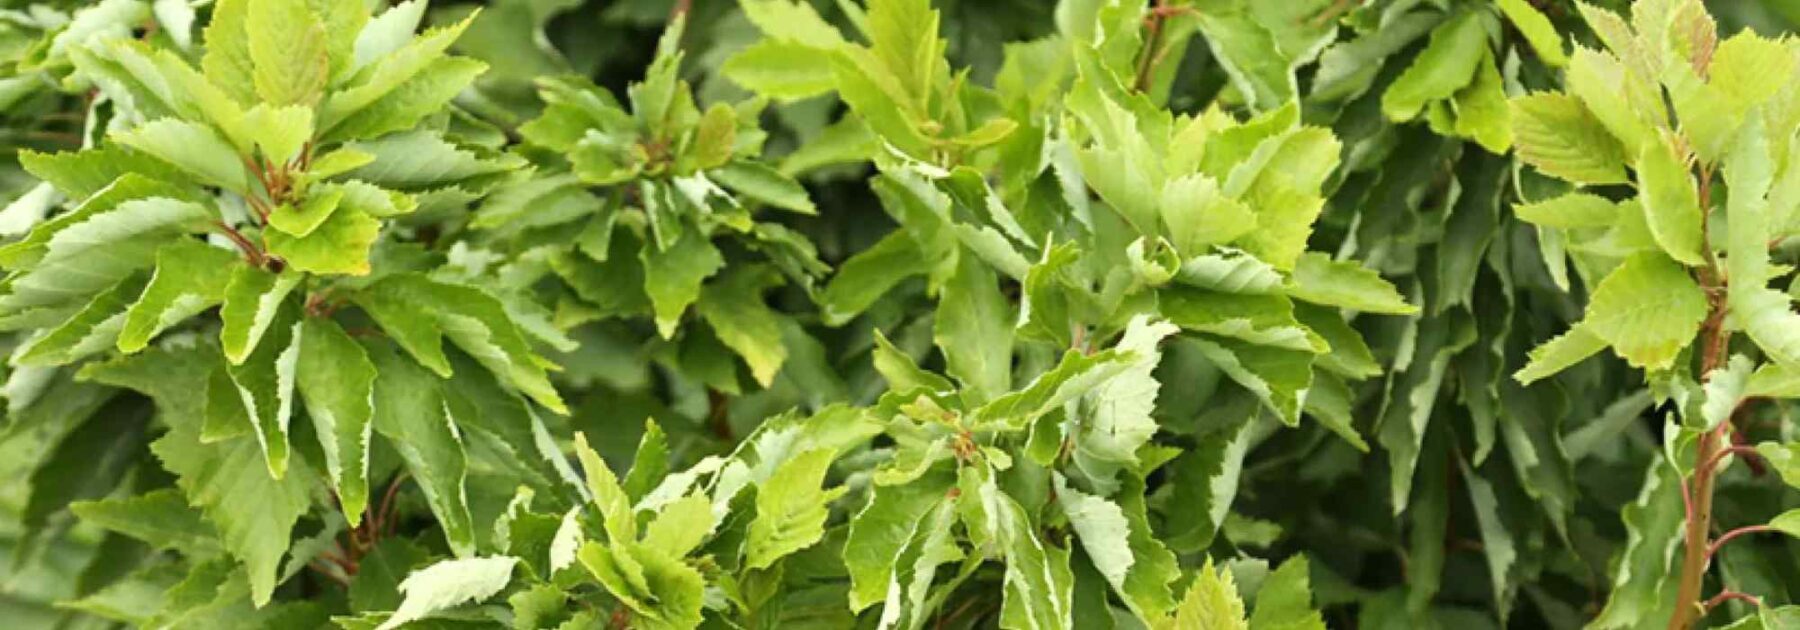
x=1713, y=549
x=1726, y=596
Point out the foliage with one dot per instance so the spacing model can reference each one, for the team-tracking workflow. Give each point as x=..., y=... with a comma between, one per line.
x=900, y=313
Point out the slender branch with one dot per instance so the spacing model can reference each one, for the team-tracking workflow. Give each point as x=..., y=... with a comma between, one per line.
x=1713, y=549
x=1740, y=451
x=252, y=253
x=1152, y=41
x=1726, y=596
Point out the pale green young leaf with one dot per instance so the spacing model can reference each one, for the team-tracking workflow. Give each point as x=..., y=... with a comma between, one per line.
x=194, y=148
x=1598, y=79
x=681, y=526
x=337, y=380
x=388, y=72
x=733, y=306
x=410, y=413
x=426, y=93
x=1137, y=566
x=792, y=20
x=280, y=132
x=252, y=298
x=387, y=32
x=340, y=244
x=1571, y=211
x=1318, y=279
x=1284, y=602
x=448, y=584
x=227, y=60
x=85, y=174
x=1648, y=310
x=1670, y=202
x=1198, y=215
x=1481, y=109
x=1448, y=63
x=673, y=276
x=663, y=592
x=288, y=51
x=616, y=513
x=190, y=277
x=1537, y=29
x=1559, y=354
x=423, y=160
x=781, y=70
x=759, y=182
x=1251, y=56
x=1556, y=134
x=791, y=508
x=901, y=372
x=300, y=220
x=1211, y=602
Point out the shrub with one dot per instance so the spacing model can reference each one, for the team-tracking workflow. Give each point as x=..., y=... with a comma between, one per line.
x=776, y=313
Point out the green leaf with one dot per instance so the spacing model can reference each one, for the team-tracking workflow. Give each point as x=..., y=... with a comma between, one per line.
x=1108, y=538
x=99, y=251
x=1559, y=354
x=1481, y=109
x=450, y=583
x=419, y=312
x=337, y=380
x=974, y=328
x=616, y=512
x=882, y=533
x=410, y=413
x=733, y=305
x=791, y=508
x=425, y=94
x=1112, y=421
x=339, y=245
x=386, y=73
x=287, y=44
x=1571, y=211
x=161, y=518
x=681, y=526
x=1447, y=64
x=265, y=385
x=84, y=174
x=663, y=592
x=785, y=71
x=1276, y=376
x=227, y=61
x=1537, y=29
x=1284, y=602
x=1671, y=203
x=1648, y=310
x=1038, y=583
x=190, y=277
x=1211, y=602
x=1556, y=134
x=1644, y=569
x=672, y=276
x=251, y=300
x=1198, y=214
x=760, y=182
x=1258, y=319
x=301, y=220
x=1345, y=284
x=219, y=478
x=869, y=274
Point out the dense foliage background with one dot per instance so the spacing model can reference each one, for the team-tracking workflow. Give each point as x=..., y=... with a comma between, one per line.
x=905, y=313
